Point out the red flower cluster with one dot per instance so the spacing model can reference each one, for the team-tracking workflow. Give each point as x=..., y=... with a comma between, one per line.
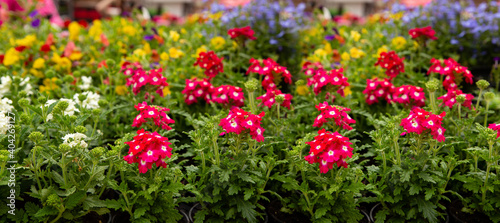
x=310, y=68
x=148, y=148
x=157, y=113
x=426, y=32
x=449, y=99
x=245, y=32
x=196, y=89
x=378, y=89
x=409, y=95
x=495, y=127
x=210, y=62
x=420, y=121
x=272, y=72
x=333, y=77
x=392, y=64
x=268, y=99
x=453, y=72
x=328, y=148
x=153, y=77
x=228, y=95
x=337, y=113
x=239, y=121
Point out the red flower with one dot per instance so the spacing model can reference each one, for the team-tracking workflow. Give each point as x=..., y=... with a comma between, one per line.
x=148, y=148
x=425, y=32
x=336, y=113
x=334, y=78
x=449, y=99
x=156, y=113
x=272, y=72
x=20, y=48
x=197, y=89
x=228, y=95
x=378, y=89
x=45, y=48
x=268, y=99
x=142, y=78
x=328, y=148
x=246, y=32
x=495, y=127
x=453, y=72
x=392, y=63
x=409, y=95
x=211, y=63
x=420, y=121
x=239, y=121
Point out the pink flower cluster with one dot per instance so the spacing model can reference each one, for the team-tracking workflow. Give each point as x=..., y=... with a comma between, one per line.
x=495, y=127
x=197, y=89
x=239, y=121
x=420, y=121
x=272, y=72
x=378, y=89
x=245, y=32
x=392, y=64
x=310, y=68
x=268, y=99
x=409, y=95
x=449, y=99
x=156, y=113
x=336, y=113
x=328, y=148
x=453, y=71
x=148, y=148
x=426, y=32
x=228, y=95
x=334, y=78
x=211, y=63
x=141, y=78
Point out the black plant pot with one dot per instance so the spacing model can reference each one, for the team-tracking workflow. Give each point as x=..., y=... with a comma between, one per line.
x=197, y=207
x=458, y=216
x=277, y=216
x=377, y=207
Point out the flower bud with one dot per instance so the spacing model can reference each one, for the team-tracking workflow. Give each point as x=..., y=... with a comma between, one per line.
x=460, y=98
x=16, y=80
x=112, y=152
x=77, y=73
x=82, y=97
x=54, y=200
x=483, y=84
x=50, y=74
x=22, y=94
x=102, y=103
x=110, y=62
x=60, y=107
x=3, y=69
x=488, y=96
x=72, y=118
x=432, y=85
x=42, y=100
x=23, y=102
x=81, y=129
x=300, y=82
x=96, y=111
x=68, y=79
x=64, y=148
x=97, y=152
x=101, y=71
x=58, y=82
x=251, y=85
x=37, y=148
x=279, y=98
x=25, y=118
x=35, y=137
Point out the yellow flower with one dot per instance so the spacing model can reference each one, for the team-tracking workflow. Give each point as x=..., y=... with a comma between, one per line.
x=37, y=73
x=164, y=56
x=380, y=50
x=26, y=41
x=121, y=90
x=398, y=42
x=320, y=53
x=49, y=84
x=342, y=31
x=396, y=16
x=61, y=62
x=11, y=57
x=356, y=53
x=215, y=16
x=174, y=35
x=235, y=45
x=200, y=49
x=183, y=31
x=139, y=53
x=364, y=31
x=129, y=30
x=328, y=48
x=39, y=63
x=345, y=56
x=175, y=53
x=193, y=18
x=96, y=30
x=75, y=56
x=166, y=90
x=355, y=35
x=74, y=31
x=347, y=90
x=415, y=45
x=147, y=48
x=217, y=42
x=302, y=90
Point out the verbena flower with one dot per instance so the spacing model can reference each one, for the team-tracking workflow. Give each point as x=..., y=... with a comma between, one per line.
x=409, y=95
x=333, y=78
x=6, y=105
x=147, y=149
x=495, y=127
x=454, y=72
x=449, y=99
x=210, y=63
x=423, y=33
x=245, y=33
x=228, y=95
x=86, y=82
x=91, y=101
x=75, y=139
x=4, y=122
x=392, y=64
x=239, y=121
x=196, y=89
x=336, y=113
x=143, y=78
x=70, y=110
x=271, y=71
x=327, y=149
x=423, y=122
x=268, y=99
x=377, y=90
x=156, y=113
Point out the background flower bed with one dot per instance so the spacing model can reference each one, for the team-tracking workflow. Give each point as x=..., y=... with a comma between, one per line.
x=81, y=95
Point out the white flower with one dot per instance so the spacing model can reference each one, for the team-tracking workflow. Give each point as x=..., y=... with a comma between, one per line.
x=75, y=139
x=5, y=85
x=87, y=81
x=70, y=110
x=91, y=102
x=4, y=123
x=6, y=105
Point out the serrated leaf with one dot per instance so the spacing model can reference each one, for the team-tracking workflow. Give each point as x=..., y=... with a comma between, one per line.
x=139, y=212
x=81, y=119
x=31, y=208
x=248, y=193
x=320, y=212
x=429, y=193
x=428, y=209
x=73, y=199
x=233, y=189
x=92, y=202
x=427, y=177
x=247, y=209
x=46, y=211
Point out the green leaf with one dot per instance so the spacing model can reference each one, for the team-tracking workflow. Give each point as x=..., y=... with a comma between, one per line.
x=248, y=193
x=429, y=193
x=233, y=189
x=414, y=189
x=46, y=211
x=139, y=212
x=428, y=209
x=247, y=209
x=74, y=199
x=81, y=119
x=320, y=212
x=31, y=208
x=92, y=202
x=426, y=177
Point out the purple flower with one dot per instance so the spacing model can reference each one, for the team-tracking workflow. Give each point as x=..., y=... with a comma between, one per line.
x=149, y=37
x=33, y=13
x=329, y=37
x=35, y=23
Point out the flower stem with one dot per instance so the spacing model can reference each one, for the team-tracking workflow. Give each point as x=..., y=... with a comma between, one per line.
x=479, y=97
x=486, y=114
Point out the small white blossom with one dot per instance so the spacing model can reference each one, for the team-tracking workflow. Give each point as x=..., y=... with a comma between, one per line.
x=70, y=110
x=4, y=123
x=5, y=85
x=91, y=102
x=75, y=139
x=87, y=82
x=6, y=105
